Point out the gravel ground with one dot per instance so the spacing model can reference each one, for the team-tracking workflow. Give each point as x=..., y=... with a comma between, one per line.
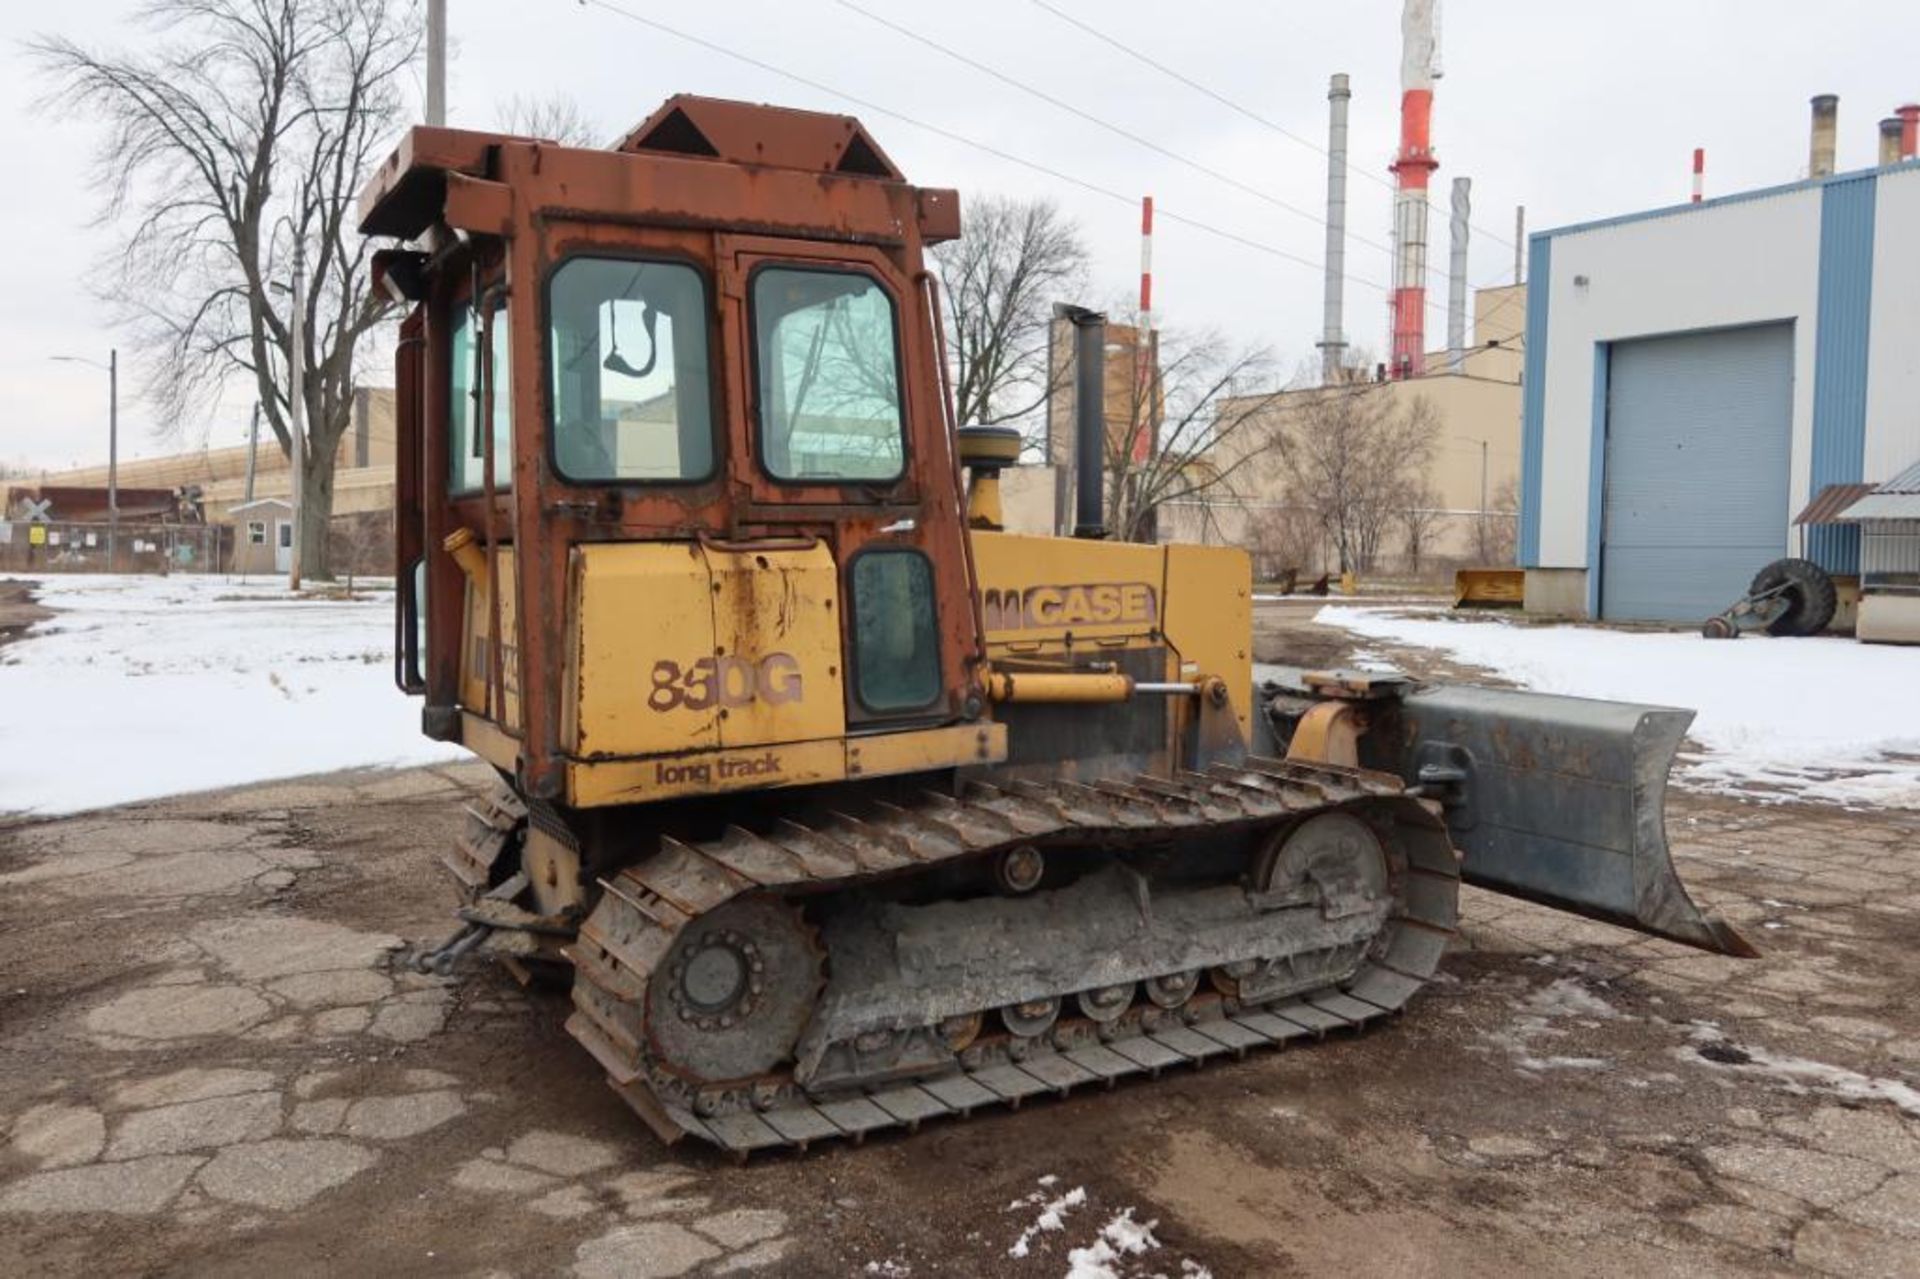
x=207, y=1066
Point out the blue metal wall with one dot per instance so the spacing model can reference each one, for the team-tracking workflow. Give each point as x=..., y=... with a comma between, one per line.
x=1843, y=324
x=1533, y=396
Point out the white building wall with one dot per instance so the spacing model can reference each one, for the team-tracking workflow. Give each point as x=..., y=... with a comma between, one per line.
x=1893, y=347
x=1743, y=262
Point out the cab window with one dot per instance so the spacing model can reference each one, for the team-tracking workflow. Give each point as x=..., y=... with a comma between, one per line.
x=632, y=396
x=827, y=372
x=896, y=654
x=468, y=461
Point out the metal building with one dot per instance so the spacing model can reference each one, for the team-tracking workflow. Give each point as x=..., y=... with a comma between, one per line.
x=1696, y=374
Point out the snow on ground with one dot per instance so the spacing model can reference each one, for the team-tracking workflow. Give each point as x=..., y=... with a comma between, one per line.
x=139, y=687
x=1825, y=719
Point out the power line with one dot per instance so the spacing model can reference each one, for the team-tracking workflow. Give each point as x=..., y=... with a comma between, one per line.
x=940, y=131
x=1095, y=120
x=1201, y=88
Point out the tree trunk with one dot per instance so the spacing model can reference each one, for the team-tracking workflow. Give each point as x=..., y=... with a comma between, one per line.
x=316, y=517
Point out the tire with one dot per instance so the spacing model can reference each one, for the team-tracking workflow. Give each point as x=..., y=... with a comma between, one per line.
x=1811, y=599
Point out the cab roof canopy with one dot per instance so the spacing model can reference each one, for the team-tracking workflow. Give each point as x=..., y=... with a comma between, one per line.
x=409, y=191
x=748, y=133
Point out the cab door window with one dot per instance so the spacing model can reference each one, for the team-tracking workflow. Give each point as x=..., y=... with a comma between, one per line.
x=463, y=406
x=827, y=377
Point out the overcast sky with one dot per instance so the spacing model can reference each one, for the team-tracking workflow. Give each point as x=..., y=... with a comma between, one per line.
x=1576, y=111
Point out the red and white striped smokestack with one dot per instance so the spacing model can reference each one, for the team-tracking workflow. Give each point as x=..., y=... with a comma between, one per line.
x=1146, y=262
x=1699, y=174
x=1143, y=343
x=1412, y=170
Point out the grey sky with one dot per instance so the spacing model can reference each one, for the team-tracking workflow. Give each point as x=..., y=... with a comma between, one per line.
x=1577, y=111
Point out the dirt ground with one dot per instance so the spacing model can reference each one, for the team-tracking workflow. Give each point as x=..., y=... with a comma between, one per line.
x=208, y=1067
x=18, y=609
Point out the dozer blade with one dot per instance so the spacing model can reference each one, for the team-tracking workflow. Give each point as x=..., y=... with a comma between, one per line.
x=1561, y=800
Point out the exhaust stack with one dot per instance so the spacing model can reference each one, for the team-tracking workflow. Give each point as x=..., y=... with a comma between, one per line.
x=1699, y=174
x=1457, y=278
x=1890, y=130
x=1909, y=130
x=1332, y=345
x=1412, y=170
x=1089, y=417
x=1826, y=127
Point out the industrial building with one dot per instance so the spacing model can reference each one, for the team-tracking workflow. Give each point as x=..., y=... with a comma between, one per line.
x=1697, y=375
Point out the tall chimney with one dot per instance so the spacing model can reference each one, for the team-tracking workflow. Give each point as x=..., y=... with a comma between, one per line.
x=1457, y=278
x=1890, y=131
x=1826, y=124
x=1909, y=130
x=1332, y=345
x=1699, y=174
x=1412, y=169
x=1089, y=417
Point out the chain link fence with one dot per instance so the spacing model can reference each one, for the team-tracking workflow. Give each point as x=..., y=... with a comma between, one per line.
x=68, y=546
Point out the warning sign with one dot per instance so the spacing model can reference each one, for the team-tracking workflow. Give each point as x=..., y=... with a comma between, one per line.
x=36, y=535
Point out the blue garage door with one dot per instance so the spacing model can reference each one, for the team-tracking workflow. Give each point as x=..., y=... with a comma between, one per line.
x=1698, y=428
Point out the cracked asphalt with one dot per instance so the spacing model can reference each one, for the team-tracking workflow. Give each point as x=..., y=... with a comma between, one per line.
x=209, y=1066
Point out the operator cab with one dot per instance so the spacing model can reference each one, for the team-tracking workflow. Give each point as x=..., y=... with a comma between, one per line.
x=672, y=427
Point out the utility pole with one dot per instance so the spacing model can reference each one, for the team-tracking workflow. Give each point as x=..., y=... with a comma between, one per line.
x=1483, y=501
x=112, y=367
x=1519, y=241
x=437, y=62
x=113, y=457
x=297, y=409
x=253, y=449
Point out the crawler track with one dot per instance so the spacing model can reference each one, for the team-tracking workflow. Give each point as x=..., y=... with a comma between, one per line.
x=630, y=936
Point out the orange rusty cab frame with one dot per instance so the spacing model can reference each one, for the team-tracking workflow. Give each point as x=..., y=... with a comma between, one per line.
x=724, y=187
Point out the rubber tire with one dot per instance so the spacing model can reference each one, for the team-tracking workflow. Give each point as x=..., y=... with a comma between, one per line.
x=1812, y=598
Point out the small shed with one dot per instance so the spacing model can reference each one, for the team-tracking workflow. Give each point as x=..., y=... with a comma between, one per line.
x=1889, y=522
x=263, y=536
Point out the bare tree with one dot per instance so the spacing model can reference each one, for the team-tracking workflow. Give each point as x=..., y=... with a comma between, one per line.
x=557, y=117
x=1177, y=432
x=1284, y=539
x=1352, y=454
x=1502, y=523
x=1014, y=259
x=1419, y=518
x=239, y=133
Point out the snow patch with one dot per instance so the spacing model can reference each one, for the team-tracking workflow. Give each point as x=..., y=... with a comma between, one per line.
x=1052, y=1217
x=1798, y=1074
x=1565, y=997
x=1122, y=1236
x=1769, y=718
x=140, y=687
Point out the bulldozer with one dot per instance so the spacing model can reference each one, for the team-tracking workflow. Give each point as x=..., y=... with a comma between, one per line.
x=840, y=807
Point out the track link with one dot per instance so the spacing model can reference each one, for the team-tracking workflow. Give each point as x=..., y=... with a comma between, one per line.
x=645, y=907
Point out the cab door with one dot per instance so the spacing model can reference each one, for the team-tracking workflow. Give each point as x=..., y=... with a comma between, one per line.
x=841, y=437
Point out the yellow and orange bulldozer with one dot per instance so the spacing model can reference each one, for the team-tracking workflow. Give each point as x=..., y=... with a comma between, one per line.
x=840, y=807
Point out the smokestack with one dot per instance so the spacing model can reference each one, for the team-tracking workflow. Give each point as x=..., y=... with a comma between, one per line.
x=1332, y=345
x=1412, y=169
x=1457, y=278
x=1089, y=416
x=1909, y=130
x=1826, y=126
x=1699, y=174
x=1519, y=244
x=1890, y=130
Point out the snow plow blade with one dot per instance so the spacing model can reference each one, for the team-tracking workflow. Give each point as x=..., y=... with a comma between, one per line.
x=1561, y=800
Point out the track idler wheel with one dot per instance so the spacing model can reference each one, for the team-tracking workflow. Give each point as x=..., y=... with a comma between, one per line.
x=734, y=993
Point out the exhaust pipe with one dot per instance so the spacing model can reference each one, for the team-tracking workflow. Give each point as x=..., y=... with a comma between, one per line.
x=1089, y=417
